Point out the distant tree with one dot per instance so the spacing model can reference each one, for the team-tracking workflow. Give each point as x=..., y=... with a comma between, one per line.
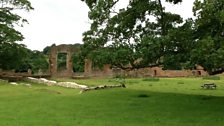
x=78, y=59
x=35, y=60
x=61, y=61
x=11, y=53
x=78, y=62
x=38, y=61
x=47, y=49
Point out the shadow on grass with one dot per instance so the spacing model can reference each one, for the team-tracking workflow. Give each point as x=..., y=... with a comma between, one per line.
x=143, y=96
x=145, y=107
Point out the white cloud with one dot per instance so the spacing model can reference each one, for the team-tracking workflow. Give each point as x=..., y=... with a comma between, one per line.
x=55, y=21
x=184, y=8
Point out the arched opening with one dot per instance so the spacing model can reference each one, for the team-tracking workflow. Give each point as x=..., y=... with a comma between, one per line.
x=155, y=72
x=199, y=73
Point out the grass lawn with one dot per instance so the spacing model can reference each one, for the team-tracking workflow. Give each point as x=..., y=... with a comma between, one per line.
x=145, y=102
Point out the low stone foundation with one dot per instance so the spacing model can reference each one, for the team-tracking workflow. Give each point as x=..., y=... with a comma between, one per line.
x=12, y=78
x=72, y=84
x=103, y=87
x=51, y=83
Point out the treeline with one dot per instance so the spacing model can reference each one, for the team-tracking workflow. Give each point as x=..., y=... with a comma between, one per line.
x=19, y=58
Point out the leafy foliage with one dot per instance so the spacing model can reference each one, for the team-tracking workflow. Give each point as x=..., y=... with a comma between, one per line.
x=11, y=54
x=35, y=60
x=209, y=51
x=47, y=49
x=61, y=61
x=78, y=58
x=144, y=35
x=8, y=19
x=78, y=62
x=140, y=35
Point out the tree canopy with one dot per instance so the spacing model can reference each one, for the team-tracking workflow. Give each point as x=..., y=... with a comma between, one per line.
x=8, y=19
x=139, y=35
x=143, y=34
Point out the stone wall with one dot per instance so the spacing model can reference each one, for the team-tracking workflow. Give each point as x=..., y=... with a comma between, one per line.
x=13, y=73
x=159, y=72
x=146, y=72
x=88, y=67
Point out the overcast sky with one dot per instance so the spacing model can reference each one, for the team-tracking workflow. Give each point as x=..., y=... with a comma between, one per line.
x=64, y=21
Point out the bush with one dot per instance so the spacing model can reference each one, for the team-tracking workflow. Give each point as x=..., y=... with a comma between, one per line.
x=211, y=78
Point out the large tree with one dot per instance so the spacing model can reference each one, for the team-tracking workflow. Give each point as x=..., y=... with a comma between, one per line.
x=139, y=35
x=11, y=53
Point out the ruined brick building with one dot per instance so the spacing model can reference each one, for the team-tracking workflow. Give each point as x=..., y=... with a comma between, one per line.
x=107, y=71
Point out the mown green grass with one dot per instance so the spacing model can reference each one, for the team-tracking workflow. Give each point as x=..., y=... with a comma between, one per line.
x=212, y=77
x=166, y=102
